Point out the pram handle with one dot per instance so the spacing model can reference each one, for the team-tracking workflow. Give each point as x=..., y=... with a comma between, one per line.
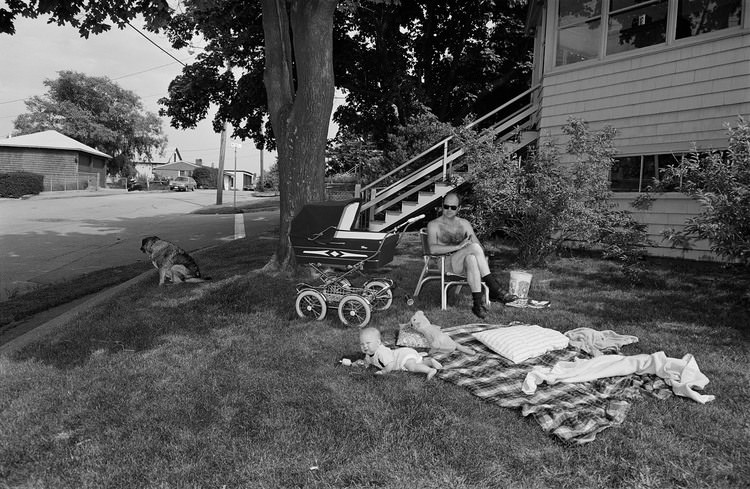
x=415, y=219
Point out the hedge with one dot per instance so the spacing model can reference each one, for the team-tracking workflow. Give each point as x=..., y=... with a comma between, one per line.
x=19, y=183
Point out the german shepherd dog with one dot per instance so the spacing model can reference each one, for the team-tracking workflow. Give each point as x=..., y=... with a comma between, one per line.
x=174, y=264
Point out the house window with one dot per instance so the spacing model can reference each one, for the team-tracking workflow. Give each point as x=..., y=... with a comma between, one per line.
x=637, y=173
x=696, y=17
x=579, y=31
x=590, y=29
x=633, y=25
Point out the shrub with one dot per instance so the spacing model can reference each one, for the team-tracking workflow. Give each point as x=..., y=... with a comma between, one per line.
x=206, y=177
x=541, y=203
x=721, y=183
x=19, y=183
x=270, y=179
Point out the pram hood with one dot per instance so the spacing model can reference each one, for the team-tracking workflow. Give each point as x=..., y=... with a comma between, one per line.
x=325, y=217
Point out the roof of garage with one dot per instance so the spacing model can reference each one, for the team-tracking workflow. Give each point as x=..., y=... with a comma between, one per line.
x=50, y=139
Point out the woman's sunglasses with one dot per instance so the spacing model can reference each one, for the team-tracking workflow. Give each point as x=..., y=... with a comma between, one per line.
x=451, y=207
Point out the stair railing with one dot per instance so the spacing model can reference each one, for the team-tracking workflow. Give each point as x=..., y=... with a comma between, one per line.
x=371, y=195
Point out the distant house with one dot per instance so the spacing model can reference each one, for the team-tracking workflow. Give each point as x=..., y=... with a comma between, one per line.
x=65, y=163
x=239, y=179
x=175, y=169
x=664, y=73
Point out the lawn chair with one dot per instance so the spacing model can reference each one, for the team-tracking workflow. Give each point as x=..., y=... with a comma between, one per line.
x=434, y=269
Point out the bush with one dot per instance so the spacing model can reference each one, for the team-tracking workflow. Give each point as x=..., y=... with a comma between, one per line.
x=206, y=177
x=721, y=183
x=270, y=180
x=19, y=183
x=542, y=203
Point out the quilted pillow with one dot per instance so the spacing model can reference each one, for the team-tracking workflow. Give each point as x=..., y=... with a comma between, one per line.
x=409, y=337
x=519, y=343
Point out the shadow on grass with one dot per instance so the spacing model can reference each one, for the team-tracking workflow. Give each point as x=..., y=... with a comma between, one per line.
x=584, y=292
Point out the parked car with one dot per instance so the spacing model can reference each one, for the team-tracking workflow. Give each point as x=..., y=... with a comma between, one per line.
x=182, y=183
x=134, y=184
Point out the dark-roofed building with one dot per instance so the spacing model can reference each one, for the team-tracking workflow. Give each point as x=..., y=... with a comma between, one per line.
x=65, y=163
x=175, y=169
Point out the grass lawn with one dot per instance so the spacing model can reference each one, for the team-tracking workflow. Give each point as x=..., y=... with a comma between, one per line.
x=221, y=385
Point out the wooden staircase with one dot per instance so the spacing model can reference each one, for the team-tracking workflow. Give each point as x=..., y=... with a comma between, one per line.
x=427, y=177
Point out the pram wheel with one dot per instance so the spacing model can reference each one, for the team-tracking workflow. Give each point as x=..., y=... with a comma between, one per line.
x=354, y=311
x=311, y=304
x=381, y=295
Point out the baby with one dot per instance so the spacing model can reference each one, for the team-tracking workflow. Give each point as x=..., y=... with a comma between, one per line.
x=387, y=360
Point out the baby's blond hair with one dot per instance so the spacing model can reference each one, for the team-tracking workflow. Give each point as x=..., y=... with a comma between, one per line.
x=370, y=331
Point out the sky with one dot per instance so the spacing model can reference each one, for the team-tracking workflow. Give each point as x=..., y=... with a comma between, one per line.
x=37, y=51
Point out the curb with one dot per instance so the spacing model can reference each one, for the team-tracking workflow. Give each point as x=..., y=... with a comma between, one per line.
x=49, y=327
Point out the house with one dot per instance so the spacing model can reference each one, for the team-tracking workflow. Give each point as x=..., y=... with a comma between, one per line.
x=175, y=169
x=666, y=74
x=65, y=163
x=244, y=179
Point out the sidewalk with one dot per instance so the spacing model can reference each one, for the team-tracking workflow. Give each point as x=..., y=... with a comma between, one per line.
x=62, y=194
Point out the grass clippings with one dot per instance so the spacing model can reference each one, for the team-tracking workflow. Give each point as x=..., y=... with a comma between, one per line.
x=222, y=385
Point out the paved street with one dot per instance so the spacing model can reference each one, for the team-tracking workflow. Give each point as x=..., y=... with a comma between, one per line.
x=55, y=236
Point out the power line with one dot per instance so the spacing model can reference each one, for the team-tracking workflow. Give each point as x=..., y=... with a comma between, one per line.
x=152, y=42
x=13, y=101
x=144, y=71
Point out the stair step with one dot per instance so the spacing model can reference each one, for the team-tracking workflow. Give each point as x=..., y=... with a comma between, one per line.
x=425, y=198
x=392, y=216
x=376, y=226
x=409, y=206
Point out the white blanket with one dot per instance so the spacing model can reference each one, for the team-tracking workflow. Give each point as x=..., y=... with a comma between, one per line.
x=682, y=374
x=597, y=342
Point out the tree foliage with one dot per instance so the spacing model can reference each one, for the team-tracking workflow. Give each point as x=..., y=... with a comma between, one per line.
x=448, y=58
x=206, y=177
x=721, y=183
x=289, y=48
x=276, y=57
x=541, y=202
x=97, y=112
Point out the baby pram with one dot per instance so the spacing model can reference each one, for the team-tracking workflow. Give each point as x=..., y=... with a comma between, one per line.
x=322, y=237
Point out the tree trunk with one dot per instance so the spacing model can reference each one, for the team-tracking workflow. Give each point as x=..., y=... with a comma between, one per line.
x=299, y=47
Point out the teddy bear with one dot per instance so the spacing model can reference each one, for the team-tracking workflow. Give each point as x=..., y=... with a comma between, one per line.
x=436, y=338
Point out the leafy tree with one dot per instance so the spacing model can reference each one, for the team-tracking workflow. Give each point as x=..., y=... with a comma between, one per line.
x=98, y=113
x=449, y=58
x=349, y=152
x=287, y=47
x=721, y=183
x=540, y=203
x=285, y=44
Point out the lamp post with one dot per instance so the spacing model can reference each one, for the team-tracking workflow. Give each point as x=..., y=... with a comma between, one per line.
x=235, y=145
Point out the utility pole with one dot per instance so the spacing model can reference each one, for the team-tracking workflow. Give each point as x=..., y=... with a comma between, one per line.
x=235, y=146
x=222, y=153
x=261, y=170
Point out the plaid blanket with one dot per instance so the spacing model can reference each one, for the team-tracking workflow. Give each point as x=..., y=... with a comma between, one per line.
x=573, y=412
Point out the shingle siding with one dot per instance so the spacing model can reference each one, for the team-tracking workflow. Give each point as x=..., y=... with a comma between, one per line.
x=658, y=101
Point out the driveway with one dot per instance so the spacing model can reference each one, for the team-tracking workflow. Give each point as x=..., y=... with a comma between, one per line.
x=57, y=235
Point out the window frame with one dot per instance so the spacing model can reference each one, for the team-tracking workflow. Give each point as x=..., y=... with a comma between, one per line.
x=553, y=31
